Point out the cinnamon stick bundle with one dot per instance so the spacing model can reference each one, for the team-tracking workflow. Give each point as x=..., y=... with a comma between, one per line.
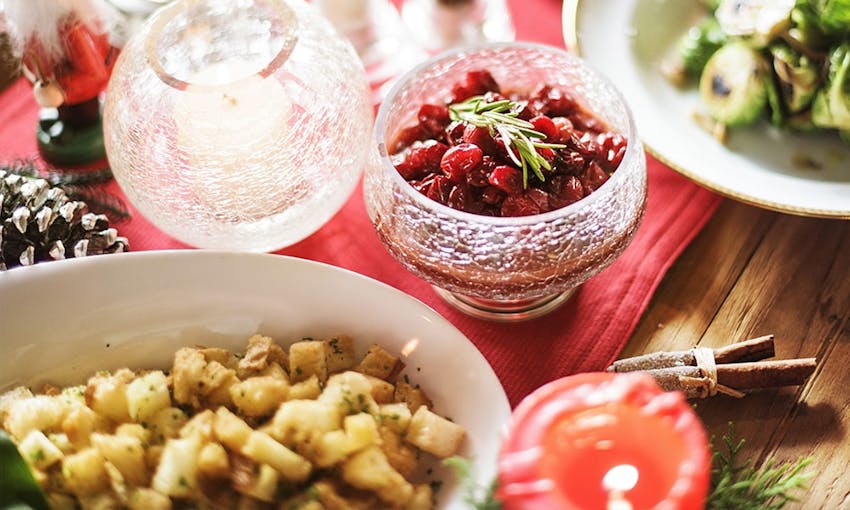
x=734, y=368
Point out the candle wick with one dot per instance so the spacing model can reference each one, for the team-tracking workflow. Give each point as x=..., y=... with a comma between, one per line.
x=617, y=501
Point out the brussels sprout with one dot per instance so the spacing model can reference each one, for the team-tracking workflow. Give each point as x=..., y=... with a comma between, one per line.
x=699, y=44
x=798, y=75
x=834, y=15
x=831, y=107
x=760, y=20
x=806, y=30
x=774, y=103
x=733, y=85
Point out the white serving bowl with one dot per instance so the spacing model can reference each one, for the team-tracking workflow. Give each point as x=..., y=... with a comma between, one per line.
x=62, y=321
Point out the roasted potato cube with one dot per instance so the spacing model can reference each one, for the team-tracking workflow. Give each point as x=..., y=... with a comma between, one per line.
x=83, y=472
x=368, y=469
x=305, y=390
x=350, y=392
x=134, y=430
x=340, y=353
x=261, y=351
x=276, y=371
x=299, y=420
x=79, y=425
x=201, y=425
x=401, y=456
x=434, y=434
x=37, y=413
x=306, y=359
x=176, y=474
x=378, y=362
x=223, y=356
x=146, y=395
x=106, y=394
x=166, y=424
x=334, y=496
x=220, y=396
x=259, y=396
x=413, y=396
x=230, y=429
x=331, y=448
x=126, y=453
x=213, y=461
x=395, y=416
x=39, y=451
x=361, y=431
x=382, y=391
x=263, y=449
x=423, y=498
x=186, y=373
x=143, y=498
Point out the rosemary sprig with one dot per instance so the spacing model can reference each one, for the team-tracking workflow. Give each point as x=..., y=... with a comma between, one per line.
x=520, y=138
x=477, y=497
x=740, y=486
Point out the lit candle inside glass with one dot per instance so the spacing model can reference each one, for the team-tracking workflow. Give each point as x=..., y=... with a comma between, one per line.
x=604, y=441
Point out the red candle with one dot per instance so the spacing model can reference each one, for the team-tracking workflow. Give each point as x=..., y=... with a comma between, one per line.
x=604, y=441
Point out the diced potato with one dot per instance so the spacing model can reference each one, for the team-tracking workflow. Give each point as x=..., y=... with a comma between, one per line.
x=276, y=371
x=382, y=391
x=83, y=472
x=423, y=498
x=301, y=501
x=200, y=425
x=264, y=485
x=402, y=456
x=395, y=416
x=298, y=420
x=220, y=396
x=260, y=352
x=39, y=451
x=186, y=374
x=37, y=413
x=350, y=392
x=57, y=501
x=333, y=497
x=223, y=356
x=152, y=455
x=330, y=448
x=134, y=430
x=378, y=362
x=309, y=389
x=230, y=429
x=213, y=376
x=166, y=424
x=11, y=396
x=434, y=434
x=368, y=469
x=103, y=501
x=146, y=395
x=143, y=498
x=412, y=396
x=213, y=461
x=106, y=394
x=126, y=453
x=340, y=353
x=306, y=359
x=60, y=439
x=79, y=425
x=176, y=474
x=265, y=450
x=361, y=431
x=259, y=396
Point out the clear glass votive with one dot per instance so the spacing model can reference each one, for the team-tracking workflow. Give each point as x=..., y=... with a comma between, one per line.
x=238, y=124
x=505, y=268
x=442, y=24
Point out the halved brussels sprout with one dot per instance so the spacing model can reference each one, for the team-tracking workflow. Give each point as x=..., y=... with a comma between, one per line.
x=831, y=107
x=805, y=32
x=733, y=85
x=834, y=15
x=699, y=44
x=760, y=20
x=799, y=76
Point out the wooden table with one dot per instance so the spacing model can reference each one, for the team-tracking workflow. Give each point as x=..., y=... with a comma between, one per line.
x=753, y=272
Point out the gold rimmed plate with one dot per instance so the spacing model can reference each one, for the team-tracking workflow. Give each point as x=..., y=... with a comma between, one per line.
x=804, y=174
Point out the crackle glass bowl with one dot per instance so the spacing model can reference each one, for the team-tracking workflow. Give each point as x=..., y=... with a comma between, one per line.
x=238, y=124
x=505, y=268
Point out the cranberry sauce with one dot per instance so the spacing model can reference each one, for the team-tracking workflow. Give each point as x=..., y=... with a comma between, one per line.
x=478, y=168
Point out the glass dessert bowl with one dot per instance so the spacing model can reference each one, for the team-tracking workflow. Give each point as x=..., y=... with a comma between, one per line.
x=529, y=261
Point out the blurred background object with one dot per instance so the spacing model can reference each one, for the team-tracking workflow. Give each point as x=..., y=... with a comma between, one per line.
x=442, y=24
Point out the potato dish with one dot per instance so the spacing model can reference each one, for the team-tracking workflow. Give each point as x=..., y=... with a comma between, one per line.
x=309, y=427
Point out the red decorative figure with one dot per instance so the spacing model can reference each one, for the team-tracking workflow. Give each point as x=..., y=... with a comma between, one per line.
x=66, y=54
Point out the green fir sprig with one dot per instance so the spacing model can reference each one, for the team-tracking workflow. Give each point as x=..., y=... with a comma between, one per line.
x=735, y=485
x=501, y=118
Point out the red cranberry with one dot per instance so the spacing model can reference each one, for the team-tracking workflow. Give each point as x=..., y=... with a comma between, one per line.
x=458, y=197
x=440, y=189
x=480, y=136
x=433, y=118
x=478, y=177
x=564, y=190
x=593, y=177
x=544, y=125
x=459, y=160
x=554, y=102
x=519, y=205
x=475, y=83
x=455, y=132
x=507, y=179
x=492, y=195
x=526, y=111
x=406, y=137
x=420, y=159
x=539, y=197
x=565, y=128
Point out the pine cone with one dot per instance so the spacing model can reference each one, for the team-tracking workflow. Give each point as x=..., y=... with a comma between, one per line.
x=38, y=222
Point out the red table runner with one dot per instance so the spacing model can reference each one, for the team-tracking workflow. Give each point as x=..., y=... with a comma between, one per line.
x=586, y=334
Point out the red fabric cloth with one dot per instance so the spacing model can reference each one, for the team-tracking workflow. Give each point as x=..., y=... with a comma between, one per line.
x=586, y=334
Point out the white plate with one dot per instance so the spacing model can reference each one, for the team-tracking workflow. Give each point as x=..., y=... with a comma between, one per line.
x=627, y=39
x=62, y=321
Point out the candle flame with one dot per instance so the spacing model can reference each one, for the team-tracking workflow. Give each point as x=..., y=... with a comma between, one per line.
x=409, y=347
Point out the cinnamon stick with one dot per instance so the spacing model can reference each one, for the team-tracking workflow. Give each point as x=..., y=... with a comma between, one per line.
x=749, y=350
x=739, y=376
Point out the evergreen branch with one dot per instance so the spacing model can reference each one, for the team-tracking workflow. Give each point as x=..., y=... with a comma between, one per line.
x=477, y=497
x=521, y=140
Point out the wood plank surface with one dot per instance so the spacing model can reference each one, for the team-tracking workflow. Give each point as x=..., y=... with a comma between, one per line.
x=753, y=272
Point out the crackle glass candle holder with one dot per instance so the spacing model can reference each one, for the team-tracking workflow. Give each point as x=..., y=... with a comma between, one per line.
x=238, y=124
x=505, y=268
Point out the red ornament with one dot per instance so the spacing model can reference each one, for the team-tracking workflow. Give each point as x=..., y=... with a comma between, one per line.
x=601, y=440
